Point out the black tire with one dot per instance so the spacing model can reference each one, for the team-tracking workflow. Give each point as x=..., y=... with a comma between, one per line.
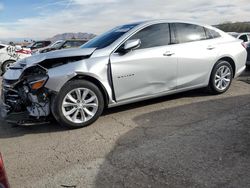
x=212, y=86
x=6, y=64
x=57, y=101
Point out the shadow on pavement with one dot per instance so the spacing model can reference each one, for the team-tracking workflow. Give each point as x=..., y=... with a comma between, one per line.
x=205, y=144
x=193, y=93
x=245, y=77
x=10, y=130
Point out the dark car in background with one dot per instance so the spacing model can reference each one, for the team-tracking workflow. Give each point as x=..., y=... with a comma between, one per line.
x=39, y=44
x=246, y=39
x=62, y=44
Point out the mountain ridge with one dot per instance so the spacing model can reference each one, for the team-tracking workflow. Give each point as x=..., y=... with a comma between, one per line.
x=70, y=35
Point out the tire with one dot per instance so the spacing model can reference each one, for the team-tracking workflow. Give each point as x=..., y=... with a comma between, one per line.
x=220, y=85
x=78, y=111
x=6, y=65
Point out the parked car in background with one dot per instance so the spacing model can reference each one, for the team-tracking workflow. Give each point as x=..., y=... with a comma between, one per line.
x=3, y=177
x=246, y=38
x=62, y=44
x=39, y=44
x=129, y=63
x=10, y=54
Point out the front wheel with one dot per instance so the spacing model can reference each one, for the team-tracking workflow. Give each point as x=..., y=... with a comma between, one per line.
x=221, y=77
x=6, y=65
x=78, y=104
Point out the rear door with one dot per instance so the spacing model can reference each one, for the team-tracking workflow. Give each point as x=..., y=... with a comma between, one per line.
x=147, y=70
x=196, y=52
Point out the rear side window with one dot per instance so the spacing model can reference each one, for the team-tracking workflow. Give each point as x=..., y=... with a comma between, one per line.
x=189, y=32
x=211, y=34
x=153, y=36
x=244, y=38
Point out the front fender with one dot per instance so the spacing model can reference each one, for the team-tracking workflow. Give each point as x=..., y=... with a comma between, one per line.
x=59, y=76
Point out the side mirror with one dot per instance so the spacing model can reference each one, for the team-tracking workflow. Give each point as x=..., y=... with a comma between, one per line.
x=131, y=44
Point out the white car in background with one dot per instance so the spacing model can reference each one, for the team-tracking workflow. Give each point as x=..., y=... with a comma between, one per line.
x=242, y=36
x=10, y=54
x=246, y=39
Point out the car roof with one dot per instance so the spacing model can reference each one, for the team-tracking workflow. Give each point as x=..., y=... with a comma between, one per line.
x=149, y=22
x=168, y=21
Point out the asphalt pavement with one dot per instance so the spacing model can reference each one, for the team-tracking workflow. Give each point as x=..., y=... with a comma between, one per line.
x=192, y=139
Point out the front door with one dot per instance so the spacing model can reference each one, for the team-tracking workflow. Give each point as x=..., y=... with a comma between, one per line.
x=147, y=70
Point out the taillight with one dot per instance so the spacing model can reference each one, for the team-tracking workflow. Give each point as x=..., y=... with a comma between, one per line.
x=23, y=51
x=3, y=177
x=244, y=45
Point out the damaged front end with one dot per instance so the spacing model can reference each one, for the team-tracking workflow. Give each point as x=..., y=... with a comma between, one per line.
x=26, y=94
x=31, y=83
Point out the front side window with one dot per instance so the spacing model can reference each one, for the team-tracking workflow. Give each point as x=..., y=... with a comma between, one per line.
x=57, y=44
x=38, y=45
x=1, y=47
x=153, y=36
x=109, y=37
x=189, y=32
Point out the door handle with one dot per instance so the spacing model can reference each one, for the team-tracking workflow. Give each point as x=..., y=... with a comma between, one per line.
x=210, y=47
x=168, y=53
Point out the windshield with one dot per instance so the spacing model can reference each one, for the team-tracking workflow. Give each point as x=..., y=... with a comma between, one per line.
x=30, y=45
x=109, y=37
x=56, y=44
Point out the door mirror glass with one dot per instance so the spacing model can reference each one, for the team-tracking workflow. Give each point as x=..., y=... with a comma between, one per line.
x=132, y=44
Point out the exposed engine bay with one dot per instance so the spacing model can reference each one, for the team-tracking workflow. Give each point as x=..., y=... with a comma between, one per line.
x=28, y=93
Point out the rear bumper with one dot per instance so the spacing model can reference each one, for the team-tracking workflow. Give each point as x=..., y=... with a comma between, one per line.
x=239, y=71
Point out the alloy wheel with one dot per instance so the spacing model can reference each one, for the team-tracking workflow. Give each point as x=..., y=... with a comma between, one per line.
x=223, y=78
x=80, y=105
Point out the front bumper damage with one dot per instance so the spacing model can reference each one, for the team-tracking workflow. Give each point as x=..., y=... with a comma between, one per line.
x=23, y=106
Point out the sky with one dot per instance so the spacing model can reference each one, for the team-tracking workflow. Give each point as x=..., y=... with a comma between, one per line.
x=45, y=18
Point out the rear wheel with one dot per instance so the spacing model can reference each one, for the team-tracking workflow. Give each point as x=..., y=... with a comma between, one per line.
x=6, y=65
x=78, y=104
x=221, y=77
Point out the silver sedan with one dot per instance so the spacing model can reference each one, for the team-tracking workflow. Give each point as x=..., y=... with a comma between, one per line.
x=129, y=63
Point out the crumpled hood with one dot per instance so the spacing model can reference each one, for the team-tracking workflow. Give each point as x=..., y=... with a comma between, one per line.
x=35, y=59
x=15, y=72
